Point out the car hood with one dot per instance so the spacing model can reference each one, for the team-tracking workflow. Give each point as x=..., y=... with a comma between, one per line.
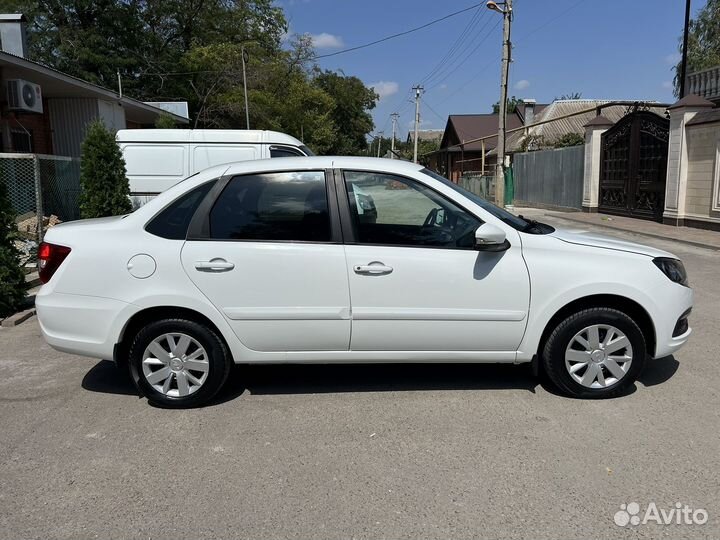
x=584, y=238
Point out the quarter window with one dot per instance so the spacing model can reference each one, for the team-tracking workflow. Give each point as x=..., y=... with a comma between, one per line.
x=392, y=210
x=174, y=220
x=273, y=206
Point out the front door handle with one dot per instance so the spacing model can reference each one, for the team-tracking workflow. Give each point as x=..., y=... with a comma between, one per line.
x=375, y=268
x=214, y=265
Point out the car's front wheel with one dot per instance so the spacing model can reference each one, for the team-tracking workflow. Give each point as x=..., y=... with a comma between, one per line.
x=595, y=353
x=179, y=363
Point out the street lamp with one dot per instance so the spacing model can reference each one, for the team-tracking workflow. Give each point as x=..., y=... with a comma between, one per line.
x=495, y=6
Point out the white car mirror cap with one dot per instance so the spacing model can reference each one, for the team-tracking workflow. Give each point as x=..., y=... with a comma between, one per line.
x=489, y=237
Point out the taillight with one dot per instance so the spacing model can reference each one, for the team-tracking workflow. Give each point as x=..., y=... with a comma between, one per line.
x=50, y=257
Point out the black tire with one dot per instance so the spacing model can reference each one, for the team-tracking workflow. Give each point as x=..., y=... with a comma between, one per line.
x=553, y=353
x=218, y=357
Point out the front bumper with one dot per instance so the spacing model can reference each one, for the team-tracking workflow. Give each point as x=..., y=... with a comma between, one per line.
x=671, y=336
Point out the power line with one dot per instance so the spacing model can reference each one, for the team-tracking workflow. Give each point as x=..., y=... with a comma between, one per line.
x=455, y=45
x=399, y=34
x=467, y=56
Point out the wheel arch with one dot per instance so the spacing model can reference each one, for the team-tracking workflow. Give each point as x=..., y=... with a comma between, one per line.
x=147, y=315
x=628, y=306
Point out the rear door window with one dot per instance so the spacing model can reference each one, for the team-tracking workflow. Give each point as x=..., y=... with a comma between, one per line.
x=283, y=206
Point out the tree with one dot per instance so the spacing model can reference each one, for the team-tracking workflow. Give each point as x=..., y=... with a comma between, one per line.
x=350, y=114
x=104, y=188
x=569, y=139
x=512, y=103
x=703, y=42
x=12, y=277
x=165, y=121
x=571, y=95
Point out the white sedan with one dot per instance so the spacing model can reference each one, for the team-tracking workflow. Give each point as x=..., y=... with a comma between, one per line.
x=339, y=259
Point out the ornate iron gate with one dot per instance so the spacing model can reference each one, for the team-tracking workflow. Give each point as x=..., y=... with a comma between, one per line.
x=634, y=166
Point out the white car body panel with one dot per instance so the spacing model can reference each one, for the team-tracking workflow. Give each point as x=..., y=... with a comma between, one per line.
x=438, y=299
x=303, y=302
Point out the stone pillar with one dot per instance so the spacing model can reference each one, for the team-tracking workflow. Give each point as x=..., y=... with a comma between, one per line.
x=676, y=184
x=591, y=181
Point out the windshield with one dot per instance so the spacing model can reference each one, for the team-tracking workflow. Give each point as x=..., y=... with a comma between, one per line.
x=514, y=221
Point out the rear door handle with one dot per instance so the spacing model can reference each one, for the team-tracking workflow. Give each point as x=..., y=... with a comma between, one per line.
x=214, y=265
x=374, y=268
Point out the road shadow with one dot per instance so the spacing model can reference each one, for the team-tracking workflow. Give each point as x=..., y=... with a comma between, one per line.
x=658, y=371
x=275, y=379
x=105, y=377
x=351, y=378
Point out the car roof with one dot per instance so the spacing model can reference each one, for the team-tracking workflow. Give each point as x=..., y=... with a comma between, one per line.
x=396, y=166
x=253, y=136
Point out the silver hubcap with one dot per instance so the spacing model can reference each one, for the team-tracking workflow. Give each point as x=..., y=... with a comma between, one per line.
x=598, y=356
x=176, y=365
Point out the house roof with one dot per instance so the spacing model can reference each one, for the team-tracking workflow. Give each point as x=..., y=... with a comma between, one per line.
x=466, y=127
x=426, y=135
x=692, y=100
x=56, y=84
x=586, y=112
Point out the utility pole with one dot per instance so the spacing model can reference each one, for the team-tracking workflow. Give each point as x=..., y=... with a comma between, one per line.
x=683, y=66
x=247, y=111
x=418, y=90
x=394, y=116
x=500, y=167
x=380, y=137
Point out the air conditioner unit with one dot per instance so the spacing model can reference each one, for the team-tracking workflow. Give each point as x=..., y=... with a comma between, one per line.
x=24, y=96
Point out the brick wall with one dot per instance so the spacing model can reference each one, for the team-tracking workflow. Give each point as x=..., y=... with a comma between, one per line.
x=37, y=124
x=702, y=144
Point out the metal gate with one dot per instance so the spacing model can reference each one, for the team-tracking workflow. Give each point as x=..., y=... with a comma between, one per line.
x=634, y=166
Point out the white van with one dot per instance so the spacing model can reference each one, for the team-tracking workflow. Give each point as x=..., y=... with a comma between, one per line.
x=156, y=159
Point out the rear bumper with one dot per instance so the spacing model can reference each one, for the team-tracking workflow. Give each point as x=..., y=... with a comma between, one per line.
x=77, y=324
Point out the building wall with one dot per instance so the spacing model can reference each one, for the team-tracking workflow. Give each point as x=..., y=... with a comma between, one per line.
x=68, y=118
x=702, y=198
x=37, y=124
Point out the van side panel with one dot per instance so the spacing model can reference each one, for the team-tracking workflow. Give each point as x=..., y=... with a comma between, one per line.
x=208, y=155
x=153, y=168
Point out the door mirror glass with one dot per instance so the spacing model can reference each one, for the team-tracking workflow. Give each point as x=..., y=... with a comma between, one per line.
x=490, y=237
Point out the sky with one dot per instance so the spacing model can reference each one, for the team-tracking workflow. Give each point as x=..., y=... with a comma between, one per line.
x=604, y=49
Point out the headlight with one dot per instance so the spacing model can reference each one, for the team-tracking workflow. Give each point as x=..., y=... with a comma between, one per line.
x=673, y=269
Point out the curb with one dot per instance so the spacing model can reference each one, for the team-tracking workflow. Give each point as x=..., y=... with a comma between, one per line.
x=18, y=318
x=641, y=233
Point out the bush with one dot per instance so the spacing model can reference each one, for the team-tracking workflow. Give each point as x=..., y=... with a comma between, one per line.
x=12, y=277
x=104, y=188
x=569, y=139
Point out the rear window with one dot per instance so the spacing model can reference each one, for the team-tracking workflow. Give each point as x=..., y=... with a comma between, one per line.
x=173, y=222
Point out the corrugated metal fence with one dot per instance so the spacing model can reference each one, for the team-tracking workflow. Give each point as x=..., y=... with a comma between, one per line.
x=550, y=177
x=479, y=184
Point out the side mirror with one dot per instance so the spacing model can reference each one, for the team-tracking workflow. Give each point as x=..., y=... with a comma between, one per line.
x=488, y=237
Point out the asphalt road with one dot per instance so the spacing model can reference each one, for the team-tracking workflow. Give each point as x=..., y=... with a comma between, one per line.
x=360, y=451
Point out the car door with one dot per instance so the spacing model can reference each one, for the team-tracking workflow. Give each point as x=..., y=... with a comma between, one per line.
x=416, y=281
x=266, y=250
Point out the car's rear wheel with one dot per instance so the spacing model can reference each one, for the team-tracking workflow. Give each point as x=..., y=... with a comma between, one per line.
x=595, y=353
x=179, y=363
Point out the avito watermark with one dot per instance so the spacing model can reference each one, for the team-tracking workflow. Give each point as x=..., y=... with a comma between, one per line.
x=681, y=514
